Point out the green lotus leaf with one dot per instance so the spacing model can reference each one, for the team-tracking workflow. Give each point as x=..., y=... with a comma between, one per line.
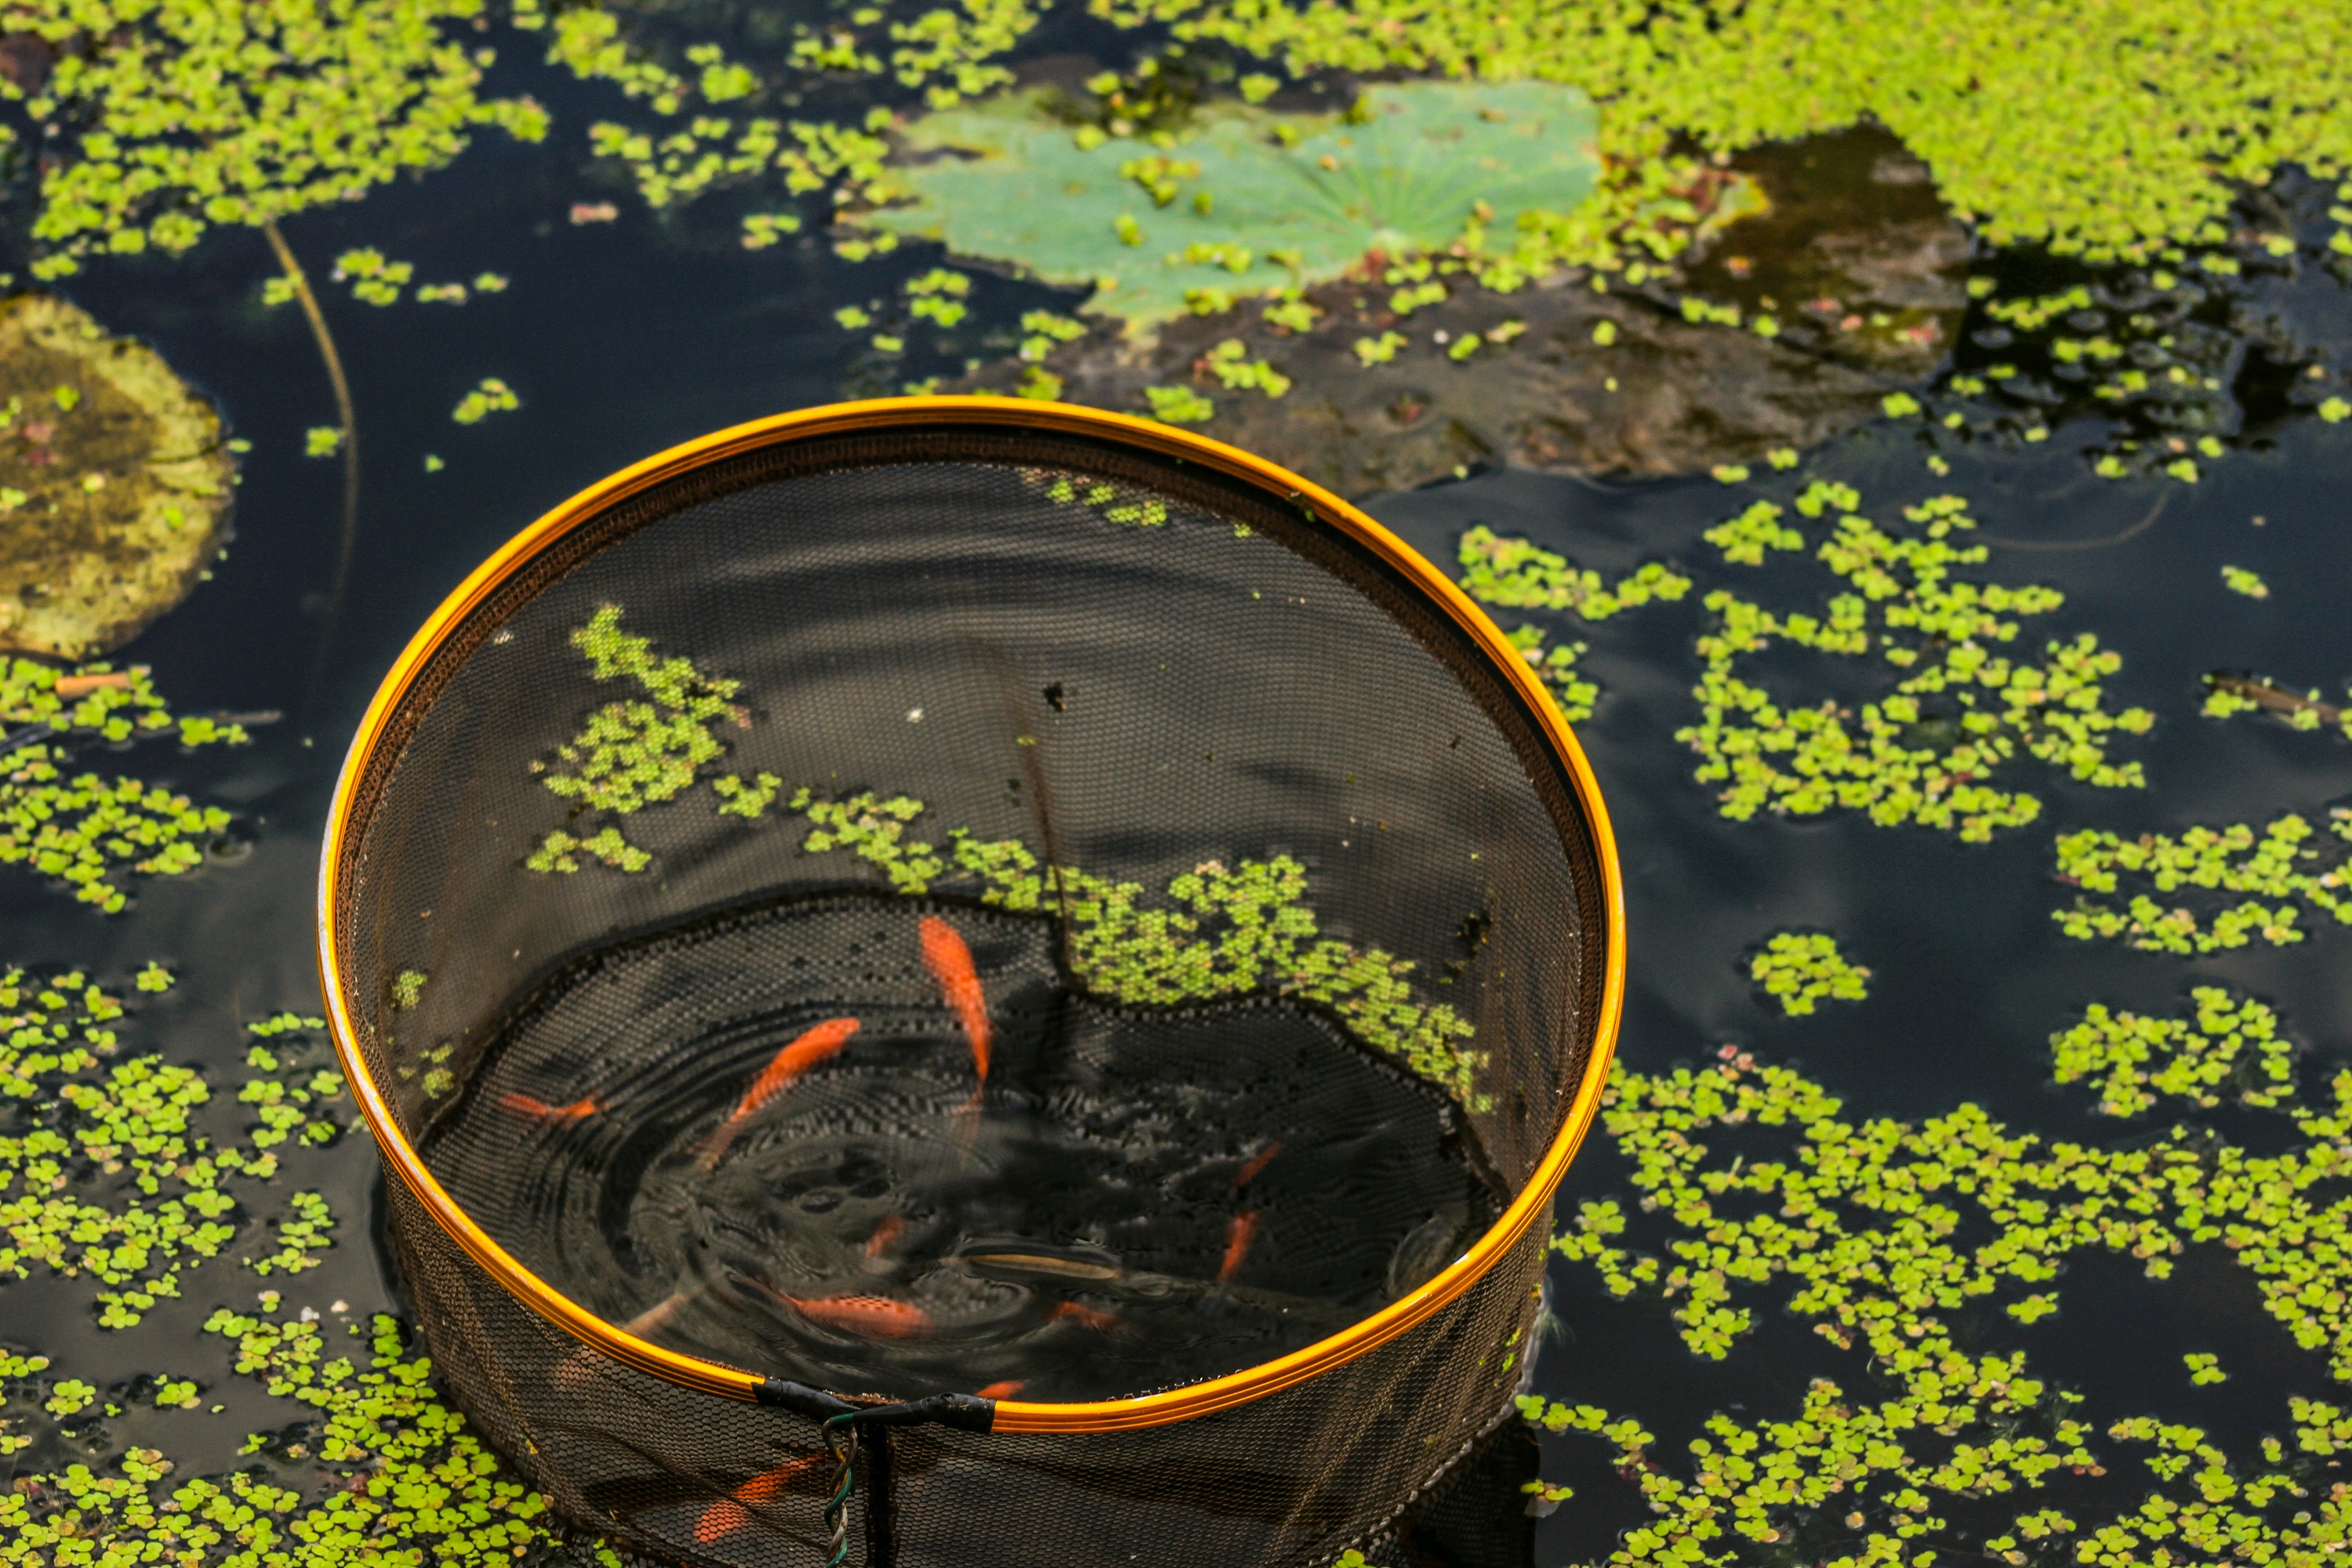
x=1409, y=176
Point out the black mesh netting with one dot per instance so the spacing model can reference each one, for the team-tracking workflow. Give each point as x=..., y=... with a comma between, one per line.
x=948, y=909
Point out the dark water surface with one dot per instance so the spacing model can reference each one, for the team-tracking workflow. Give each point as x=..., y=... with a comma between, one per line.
x=1133, y=1199
x=622, y=340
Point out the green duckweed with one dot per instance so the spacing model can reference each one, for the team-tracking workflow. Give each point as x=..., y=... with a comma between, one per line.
x=2228, y=1048
x=2239, y=580
x=1515, y=573
x=2124, y=125
x=2281, y=865
x=1179, y=405
x=1214, y=931
x=1296, y=199
x=86, y=831
x=2231, y=694
x=632, y=754
x=1799, y=969
x=1571, y=691
x=105, y=1171
x=1236, y=372
x=406, y=1480
x=1043, y=329
x=1926, y=751
x=375, y=279
x=1518, y=574
x=492, y=396
x=171, y=118
x=1882, y=1236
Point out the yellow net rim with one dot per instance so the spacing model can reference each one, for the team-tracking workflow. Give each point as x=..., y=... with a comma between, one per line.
x=1012, y=1415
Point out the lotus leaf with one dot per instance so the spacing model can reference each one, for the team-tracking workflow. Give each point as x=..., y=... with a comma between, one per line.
x=1416, y=169
x=115, y=487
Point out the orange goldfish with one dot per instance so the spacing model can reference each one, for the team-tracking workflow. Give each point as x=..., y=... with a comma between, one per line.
x=1084, y=1317
x=728, y=1514
x=884, y=1235
x=877, y=1317
x=813, y=1047
x=1005, y=1390
x=949, y=962
x=538, y=1110
x=1258, y=1162
x=1237, y=1244
x=653, y=1318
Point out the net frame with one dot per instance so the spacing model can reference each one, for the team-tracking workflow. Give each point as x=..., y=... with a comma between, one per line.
x=345, y=825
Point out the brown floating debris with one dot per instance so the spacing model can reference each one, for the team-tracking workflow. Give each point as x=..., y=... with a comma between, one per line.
x=2274, y=698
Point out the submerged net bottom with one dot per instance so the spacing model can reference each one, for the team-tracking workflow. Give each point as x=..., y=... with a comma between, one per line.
x=1288, y=1480
x=1089, y=1202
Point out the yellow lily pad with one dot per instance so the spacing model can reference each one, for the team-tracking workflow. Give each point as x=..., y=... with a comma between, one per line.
x=114, y=483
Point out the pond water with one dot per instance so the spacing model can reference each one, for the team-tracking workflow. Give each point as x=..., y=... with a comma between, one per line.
x=889, y=1222
x=621, y=338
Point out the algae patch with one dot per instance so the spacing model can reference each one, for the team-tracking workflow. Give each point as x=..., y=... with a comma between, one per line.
x=114, y=485
x=1288, y=200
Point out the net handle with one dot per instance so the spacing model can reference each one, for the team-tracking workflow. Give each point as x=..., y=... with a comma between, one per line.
x=1184, y=1404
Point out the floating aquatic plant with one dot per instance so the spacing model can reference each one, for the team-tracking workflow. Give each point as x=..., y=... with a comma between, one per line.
x=114, y=483
x=104, y=1172
x=2228, y=1046
x=1857, y=1228
x=2150, y=351
x=1574, y=694
x=1925, y=752
x=2228, y=694
x=1518, y=574
x=631, y=754
x=169, y=120
x=84, y=830
x=492, y=396
x=405, y=1469
x=1294, y=200
x=2281, y=865
x=1228, y=362
x=1179, y=405
x=375, y=279
x=691, y=154
x=2125, y=126
x=1798, y=969
x=1214, y=932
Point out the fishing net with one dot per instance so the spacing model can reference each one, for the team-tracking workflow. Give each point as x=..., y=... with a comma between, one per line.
x=960, y=981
